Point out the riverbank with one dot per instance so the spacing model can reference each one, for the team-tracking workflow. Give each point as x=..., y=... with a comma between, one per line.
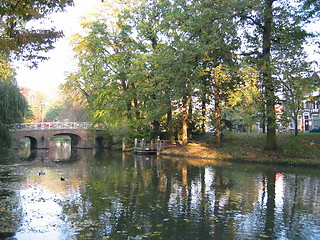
x=301, y=150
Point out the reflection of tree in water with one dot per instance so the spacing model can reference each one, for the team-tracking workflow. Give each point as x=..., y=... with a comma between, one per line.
x=143, y=197
x=148, y=200
x=270, y=205
x=60, y=151
x=10, y=212
x=30, y=155
x=301, y=203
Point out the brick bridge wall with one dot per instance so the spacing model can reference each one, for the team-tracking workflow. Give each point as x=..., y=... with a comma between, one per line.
x=80, y=138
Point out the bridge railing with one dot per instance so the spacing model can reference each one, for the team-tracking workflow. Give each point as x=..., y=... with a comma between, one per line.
x=50, y=125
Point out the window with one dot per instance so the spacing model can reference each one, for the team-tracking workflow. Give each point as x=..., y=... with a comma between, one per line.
x=315, y=121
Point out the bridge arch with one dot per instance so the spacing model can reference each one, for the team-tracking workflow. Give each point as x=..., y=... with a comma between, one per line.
x=75, y=139
x=33, y=142
x=99, y=142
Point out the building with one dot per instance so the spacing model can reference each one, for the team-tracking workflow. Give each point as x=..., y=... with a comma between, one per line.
x=309, y=117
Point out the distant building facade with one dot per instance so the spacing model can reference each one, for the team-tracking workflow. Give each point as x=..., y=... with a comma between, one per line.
x=309, y=117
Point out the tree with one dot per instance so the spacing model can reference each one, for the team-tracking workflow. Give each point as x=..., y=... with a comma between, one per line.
x=266, y=73
x=144, y=67
x=63, y=109
x=216, y=32
x=13, y=107
x=242, y=105
x=183, y=34
x=296, y=82
x=272, y=26
x=23, y=42
x=104, y=79
x=311, y=8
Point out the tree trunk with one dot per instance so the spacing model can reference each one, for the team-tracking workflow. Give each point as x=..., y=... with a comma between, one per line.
x=184, y=121
x=267, y=78
x=203, y=116
x=204, y=91
x=217, y=109
x=263, y=118
x=135, y=102
x=295, y=119
x=169, y=121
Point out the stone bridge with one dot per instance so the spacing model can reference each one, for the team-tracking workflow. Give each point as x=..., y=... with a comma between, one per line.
x=82, y=134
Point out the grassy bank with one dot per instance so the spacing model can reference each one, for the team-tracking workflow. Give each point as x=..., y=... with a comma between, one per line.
x=301, y=150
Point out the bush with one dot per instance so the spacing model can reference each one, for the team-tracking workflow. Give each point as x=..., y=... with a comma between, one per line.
x=113, y=136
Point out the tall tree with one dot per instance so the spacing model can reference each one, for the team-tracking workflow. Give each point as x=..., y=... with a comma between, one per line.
x=296, y=80
x=13, y=106
x=215, y=30
x=266, y=72
x=171, y=61
x=184, y=34
x=19, y=41
x=269, y=25
x=104, y=79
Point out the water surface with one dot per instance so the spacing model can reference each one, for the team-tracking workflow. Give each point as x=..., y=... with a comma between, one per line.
x=82, y=194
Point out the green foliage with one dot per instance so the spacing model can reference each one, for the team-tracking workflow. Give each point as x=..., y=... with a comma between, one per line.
x=63, y=110
x=13, y=107
x=311, y=8
x=29, y=116
x=114, y=134
x=16, y=40
x=242, y=106
x=273, y=29
x=23, y=42
x=160, y=65
x=53, y=113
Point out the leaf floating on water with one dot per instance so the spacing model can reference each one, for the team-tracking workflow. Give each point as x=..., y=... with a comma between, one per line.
x=153, y=234
x=264, y=236
x=187, y=220
x=214, y=218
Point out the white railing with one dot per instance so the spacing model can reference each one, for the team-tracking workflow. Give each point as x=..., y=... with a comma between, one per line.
x=49, y=125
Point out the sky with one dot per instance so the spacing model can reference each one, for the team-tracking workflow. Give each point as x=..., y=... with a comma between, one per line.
x=51, y=73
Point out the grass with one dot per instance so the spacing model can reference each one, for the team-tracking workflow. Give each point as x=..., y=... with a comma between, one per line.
x=301, y=150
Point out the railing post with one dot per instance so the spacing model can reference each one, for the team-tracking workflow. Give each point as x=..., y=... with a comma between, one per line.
x=158, y=145
x=123, y=144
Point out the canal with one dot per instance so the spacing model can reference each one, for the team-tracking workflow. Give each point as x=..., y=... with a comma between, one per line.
x=83, y=194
